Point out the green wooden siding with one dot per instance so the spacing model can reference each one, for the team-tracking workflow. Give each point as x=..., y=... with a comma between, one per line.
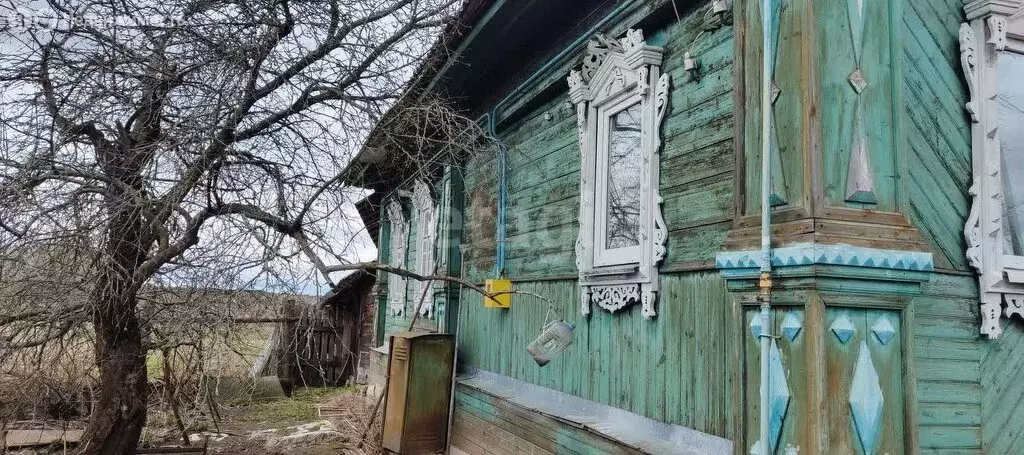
x=838, y=99
x=481, y=214
x=792, y=81
x=543, y=169
x=484, y=424
x=1002, y=367
x=673, y=369
x=841, y=361
x=947, y=356
x=937, y=135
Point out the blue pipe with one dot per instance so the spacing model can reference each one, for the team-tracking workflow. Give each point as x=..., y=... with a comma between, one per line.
x=491, y=126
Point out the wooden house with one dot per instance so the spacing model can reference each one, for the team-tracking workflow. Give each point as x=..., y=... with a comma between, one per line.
x=627, y=191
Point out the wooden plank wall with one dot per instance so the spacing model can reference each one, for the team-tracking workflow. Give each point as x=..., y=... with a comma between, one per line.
x=966, y=392
x=937, y=134
x=543, y=169
x=674, y=369
x=947, y=364
x=487, y=425
x=1002, y=367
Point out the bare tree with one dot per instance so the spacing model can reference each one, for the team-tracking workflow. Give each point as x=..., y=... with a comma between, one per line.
x=152, y=144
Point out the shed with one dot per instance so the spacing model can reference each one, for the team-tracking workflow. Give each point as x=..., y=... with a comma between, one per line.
x=333, y=339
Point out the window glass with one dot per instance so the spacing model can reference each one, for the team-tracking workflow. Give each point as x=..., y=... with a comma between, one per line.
x=625, y=161
x=1010, y=75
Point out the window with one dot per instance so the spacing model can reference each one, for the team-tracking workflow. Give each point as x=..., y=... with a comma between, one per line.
x=426, y=226
x=620, y=163
x=620, y=98
x=995, y=226
x=1010, y=109
x=396, y=256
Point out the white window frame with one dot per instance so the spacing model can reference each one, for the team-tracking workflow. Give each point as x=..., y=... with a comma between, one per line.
x=615, y=75
x=398, y=232
x=426, y=227
x=604, y=256
x=1000, y=26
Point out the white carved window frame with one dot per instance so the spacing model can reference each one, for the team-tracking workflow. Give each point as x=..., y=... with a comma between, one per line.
x=398, y=229
x=994, y=27
x=426, y=221
x=615, y=75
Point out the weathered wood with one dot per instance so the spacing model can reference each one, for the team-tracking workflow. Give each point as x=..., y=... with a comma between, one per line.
x=670, y=369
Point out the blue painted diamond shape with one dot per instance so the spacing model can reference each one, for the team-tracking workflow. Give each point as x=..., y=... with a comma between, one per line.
x=778, y=395
x=883, y=330
x=866, y=400
x=791, y=326
x=755, y=325
x=843, y=329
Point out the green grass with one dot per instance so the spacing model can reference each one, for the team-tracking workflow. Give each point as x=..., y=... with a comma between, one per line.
x=230, y=356
x=301, y=406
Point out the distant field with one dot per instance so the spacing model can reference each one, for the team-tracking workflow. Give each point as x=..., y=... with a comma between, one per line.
x=226, y=354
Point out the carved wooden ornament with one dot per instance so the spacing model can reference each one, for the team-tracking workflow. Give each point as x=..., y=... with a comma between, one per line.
x=426, y=222
x=396, y=283
x=620, y=98
x=1000, y=275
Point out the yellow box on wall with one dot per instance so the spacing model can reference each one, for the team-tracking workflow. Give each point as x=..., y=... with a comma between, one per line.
x=500, y=300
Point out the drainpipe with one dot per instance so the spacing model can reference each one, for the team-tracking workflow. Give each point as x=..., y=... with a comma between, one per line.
x=501, y=234
x=765, y=283
x=492, y=125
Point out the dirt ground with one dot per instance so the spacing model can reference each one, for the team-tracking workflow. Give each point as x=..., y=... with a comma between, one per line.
x=313, y=421
x=310, y=422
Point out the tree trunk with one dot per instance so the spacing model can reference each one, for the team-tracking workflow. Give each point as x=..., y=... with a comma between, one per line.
x=120, y=413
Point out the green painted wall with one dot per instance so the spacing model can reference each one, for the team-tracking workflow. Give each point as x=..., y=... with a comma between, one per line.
x=937, y=135
x=677, y=367
x=946, y=362
x=484, y=425
x=543, y=169
x=1002, y=367
x=673, y=369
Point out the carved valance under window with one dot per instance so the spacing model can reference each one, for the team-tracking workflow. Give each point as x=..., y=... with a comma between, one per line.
x=621, y=98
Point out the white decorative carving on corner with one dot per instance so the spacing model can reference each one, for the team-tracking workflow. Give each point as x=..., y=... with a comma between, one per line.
x=396, y=283
x=642, y=81
x=661, y=99
x=660, y=233
x=969, y=61
x=972, y=231
x=997, y=32
x=647, y=297
x=1014, y=305
x=612, y=71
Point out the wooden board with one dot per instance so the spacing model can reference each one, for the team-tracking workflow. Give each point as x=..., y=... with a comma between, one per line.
x=673, y=369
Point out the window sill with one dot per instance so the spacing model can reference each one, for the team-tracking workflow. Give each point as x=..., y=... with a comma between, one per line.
x=625, y=427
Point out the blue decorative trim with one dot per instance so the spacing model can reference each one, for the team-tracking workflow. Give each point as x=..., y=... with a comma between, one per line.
x=755, y=326
x=843, y=329
x=866, y=401
x=812, y=254
x=791, y=326
x=883, y=330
